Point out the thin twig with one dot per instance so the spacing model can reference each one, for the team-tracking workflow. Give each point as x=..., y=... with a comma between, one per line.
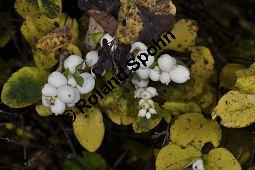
x=120, y=158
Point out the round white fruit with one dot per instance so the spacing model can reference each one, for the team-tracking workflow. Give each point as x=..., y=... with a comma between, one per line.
x=88, y=85
x=66, y=93
x=180, y=74
x=148, y=115
x=139, y=46
x=154, y=75
x=152, y=90
x=91, y=58
x=49, y=90
x=72, y=62
x=166, y=63
x=165, y=78
x=138, y=92
x=145, y=57
x=57, y=79
x=45, y=101
x=58, y=107
x=142, y=112
x=71, y=81
x=143, y=73
x=139, y=83
x=152, y=111
x=198, y=165
x=146, y=95
x=76, y=98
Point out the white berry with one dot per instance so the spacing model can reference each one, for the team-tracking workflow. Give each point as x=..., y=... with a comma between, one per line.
x=57, y=79
x=91, y=58
x=152, y=111
x=152, y=90
x=146, y=95
x=139, y=83
x=139, y=46
x=141, y=102
x=72, y=62
x=166, y=63
x=147, y=60
x=145, y=106
x=180, y=74
x=49, y=90
x=198, y=165
x=143, y=73
x=45, y=101
x=148, y=115
x=142, y=112
x=151, y=103
x=138, y=92
x=71, y=81
x=76, y=98
x=154, y=75
x=58, y=107
x=88, y=85
x=165, y=78
x=110, y=41
x=66, y=93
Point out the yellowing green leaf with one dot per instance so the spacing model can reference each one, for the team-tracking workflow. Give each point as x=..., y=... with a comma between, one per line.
x=185, y=32
x=221, y=158
x=73, y=49
x=143, y=124
x=51, y=8
x=173, y=157
x=42, y=110
x=235, y=109
x=24, y=87
x=194, y=129
x=228, y=75
x=246, y=84
x=246, y=72
x=208, y=100
x=181, y=107
x=203, y=61
x=89, y=129
x=45, y=60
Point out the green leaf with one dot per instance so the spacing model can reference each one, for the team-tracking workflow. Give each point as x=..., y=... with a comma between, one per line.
x=89, y=129
x=173, y=157
x=24, y=87
x=45, y=60
x=79, y=79
x=194, y=129
x=51, y=8
x=92, y=161
x=142, y=124
x=235, y=109
x=221, y=158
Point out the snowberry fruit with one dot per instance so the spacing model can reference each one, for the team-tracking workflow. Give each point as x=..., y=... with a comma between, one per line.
x=91, y=58
x=71, y=81
x=138, y=92
x=148, y=115
x=166, y=63
x=139, y=83
x=76, y=98
x=49, y=90
x=139, y=46
x=145, y=106
x=180, y=74
x=151, y=103
x=110, y=41
x=66, y=93
x=142, y=101
x=165, y=78
x=45, y=101
x=143, y=73
x=58, y=107
x=88, y=85
x=57, y=79
x=152, y=90
x=142, y=112
x=72, y=62
x=198, y=165
x=148, y=60
x=152, y=111
x=146, y=95
x=154, y=75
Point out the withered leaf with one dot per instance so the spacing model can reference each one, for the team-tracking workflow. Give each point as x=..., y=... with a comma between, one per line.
x=105, y=20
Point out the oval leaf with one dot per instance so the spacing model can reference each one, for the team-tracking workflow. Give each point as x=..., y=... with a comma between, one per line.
x=89, y=129
x=24, y=87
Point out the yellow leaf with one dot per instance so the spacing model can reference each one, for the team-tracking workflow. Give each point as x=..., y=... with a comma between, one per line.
x=221, y=158
x=73, y=49
x=173, y=157
x=143, y=124
x=228, y=75
x=246, y=84
x=208, y=100
x=194, y=129
x=235, y=109
x=89, y=129
x=42, y=110
x=181, y=107
x=185, y=31
x=45, y=60
x=203, y=62
x=246, y=72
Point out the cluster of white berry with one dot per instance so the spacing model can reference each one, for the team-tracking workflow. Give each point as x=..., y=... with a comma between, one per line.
x=62, y=90
x=165, y=70
x=198, y=165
